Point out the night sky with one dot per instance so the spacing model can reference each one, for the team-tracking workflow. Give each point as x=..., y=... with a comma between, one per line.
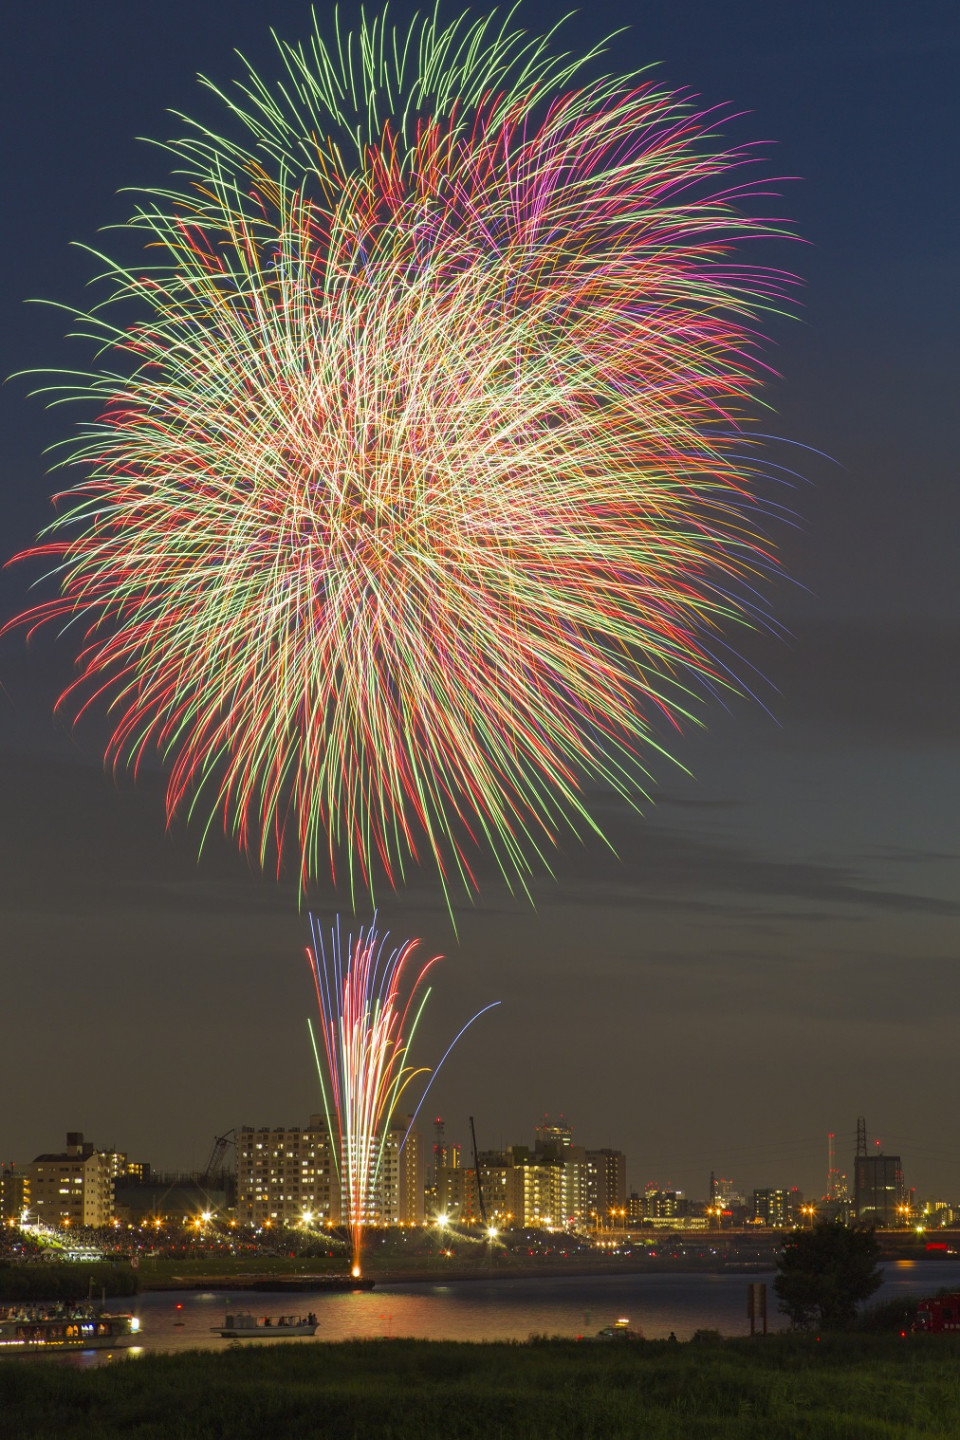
x=775, y=948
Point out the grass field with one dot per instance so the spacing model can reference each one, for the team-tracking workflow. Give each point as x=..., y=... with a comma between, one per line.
x=847, y=1387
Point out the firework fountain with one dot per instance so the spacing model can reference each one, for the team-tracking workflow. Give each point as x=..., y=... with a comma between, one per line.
x=370, y=998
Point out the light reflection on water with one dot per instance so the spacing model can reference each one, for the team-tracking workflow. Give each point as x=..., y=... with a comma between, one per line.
x=497, y=1309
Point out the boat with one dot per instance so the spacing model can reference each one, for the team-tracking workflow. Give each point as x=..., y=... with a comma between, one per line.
x=275, y=1284
x=938, y=1315
x=264, y=1327
x=29, y=1329
x=327, y=1284
x=620, y=1331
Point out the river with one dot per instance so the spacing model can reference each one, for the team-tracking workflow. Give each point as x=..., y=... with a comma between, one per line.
x=511, y=1309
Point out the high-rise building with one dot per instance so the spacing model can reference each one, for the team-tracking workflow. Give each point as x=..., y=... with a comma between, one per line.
x=398, y=1192
x=606, y=1186
x=499, y=1180
x=539, y=1191
x=521, y=1189
x=456, y=1194
x=547, y=1188
x=445, y=1153
x=725, y=1192
x=287, y=1176
x=72, y=1188
x=878, y=1189
x=663, y=1205
x=14, y=1192
x=553, y=1137
x=937, y=1213
x=837, y=1195
x=776, y=1208
x=575, y=1193
x=123, y=1169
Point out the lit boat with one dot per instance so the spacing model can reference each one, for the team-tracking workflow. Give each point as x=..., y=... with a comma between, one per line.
x=620, y=1331
x=26, y=1329
x=249, y=1327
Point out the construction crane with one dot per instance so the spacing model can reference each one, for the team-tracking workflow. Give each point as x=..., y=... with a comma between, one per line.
x=476, y=1162
x=214, y=1166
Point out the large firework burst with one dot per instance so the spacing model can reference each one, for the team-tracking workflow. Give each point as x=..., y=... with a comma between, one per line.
x=417, y=491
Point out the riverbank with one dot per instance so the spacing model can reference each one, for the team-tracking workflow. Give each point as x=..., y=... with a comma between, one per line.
x=846, y=1387
x=242, y=1277
x=75, y=1280
x=72, y=1280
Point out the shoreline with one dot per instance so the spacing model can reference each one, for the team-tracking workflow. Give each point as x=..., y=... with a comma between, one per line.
x=379, y=1279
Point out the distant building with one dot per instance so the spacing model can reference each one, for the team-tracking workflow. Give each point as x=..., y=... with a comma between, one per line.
x=939, y=1213
x=399, y=1191
x=554, y=1137
x=446, y=1155
x=658, y=1205
x=456, y=1194
x=877, y=1189
x=14, y=1192
x=575, y=1193
x=606, y=1186
x=724, y=1193
x=502, y=1199
x=540, y=1191
x=72, y=1188
x=549, y=1188
x=286, y=1175
x=122, y=1168
x=777, y=1208
x=521, y=1189
x=412, y=1177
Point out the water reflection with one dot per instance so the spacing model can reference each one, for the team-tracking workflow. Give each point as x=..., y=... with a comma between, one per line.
x=511, y=1309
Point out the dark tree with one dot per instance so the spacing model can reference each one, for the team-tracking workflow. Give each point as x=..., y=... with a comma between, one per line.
x=826, y=1272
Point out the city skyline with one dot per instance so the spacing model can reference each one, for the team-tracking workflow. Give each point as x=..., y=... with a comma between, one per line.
x=290, y=1177
x=774, y=950
x=458, y=1154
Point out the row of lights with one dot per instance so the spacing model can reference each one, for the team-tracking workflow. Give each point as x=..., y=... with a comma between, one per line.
x=443, y=1222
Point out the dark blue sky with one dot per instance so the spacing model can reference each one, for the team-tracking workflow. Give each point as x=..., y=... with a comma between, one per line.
x=776, y=949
